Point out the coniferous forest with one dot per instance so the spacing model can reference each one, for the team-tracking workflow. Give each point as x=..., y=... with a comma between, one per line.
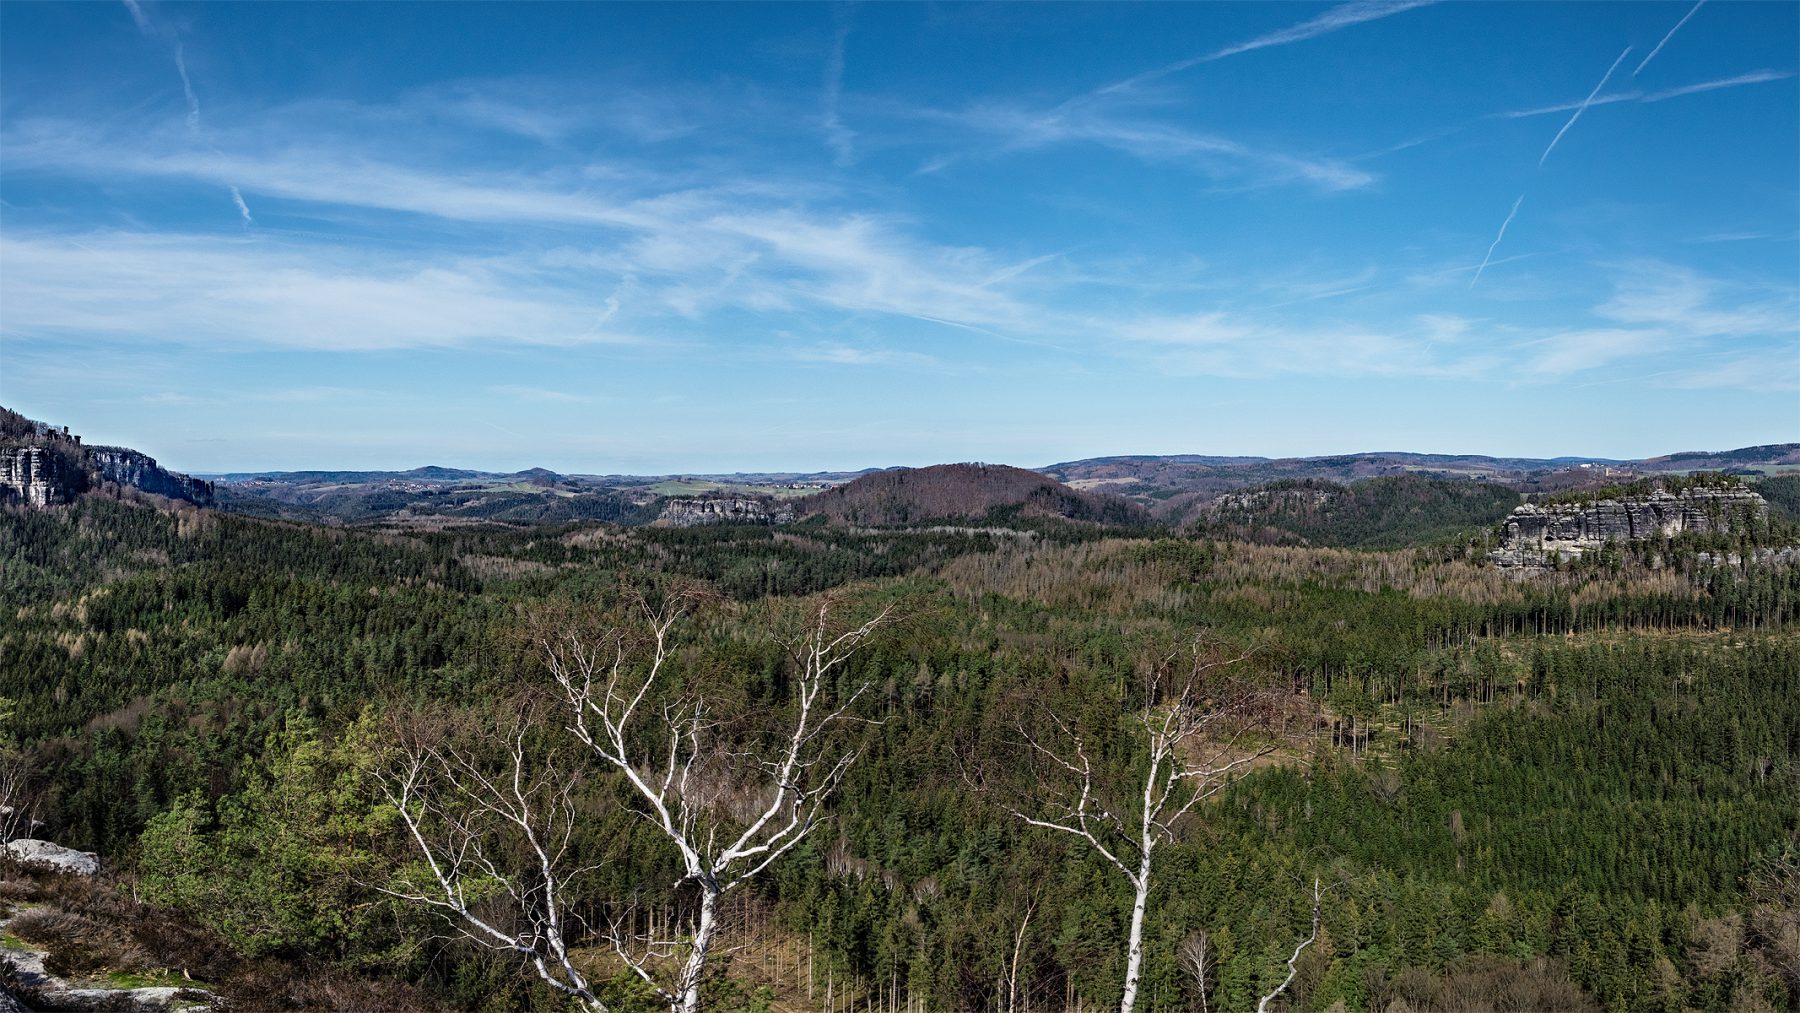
x=327, y=767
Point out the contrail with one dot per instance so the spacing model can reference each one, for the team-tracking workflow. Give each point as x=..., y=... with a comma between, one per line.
x=137, y=14
x=151, y=30
x=187, y=88
x=1342, y=16
x=1332, y=20
x=1583, y=106
x=237, y=198
x=840, y=138
x=1496, y=243
x=1666, y=38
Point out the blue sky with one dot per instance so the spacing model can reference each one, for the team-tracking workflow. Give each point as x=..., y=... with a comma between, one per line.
x=653, y=239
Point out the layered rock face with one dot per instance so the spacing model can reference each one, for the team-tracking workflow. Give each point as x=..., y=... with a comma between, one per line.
x=40, y=475
x=1534, y=536
x=140, y=471
x=689, y=512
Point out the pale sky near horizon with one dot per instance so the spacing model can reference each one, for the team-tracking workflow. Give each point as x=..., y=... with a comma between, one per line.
x=701, y=238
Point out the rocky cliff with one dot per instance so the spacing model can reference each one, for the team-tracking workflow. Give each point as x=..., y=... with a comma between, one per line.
x=140, y=471
x=43, y=465
x=688, y=512
x=1536, y=536
x=40, y=475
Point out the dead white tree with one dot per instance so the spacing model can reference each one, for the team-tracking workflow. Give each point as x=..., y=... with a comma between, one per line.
x=470, y=818
x=1293, y=963
x=16, y=808
x=1193, y=740
x=1196, y=955
x=730, y=808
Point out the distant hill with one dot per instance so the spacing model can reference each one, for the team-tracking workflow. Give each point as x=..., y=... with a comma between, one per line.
x=1782, y=494
x=1184, y=479
x=962, y=492
x=1374, y=513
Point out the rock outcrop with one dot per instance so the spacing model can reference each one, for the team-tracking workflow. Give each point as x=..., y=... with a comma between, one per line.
x=1537, y=536
x=140, y=471
x=40, y=475
x=688, y=512
x=44, y=465
x=53, y=857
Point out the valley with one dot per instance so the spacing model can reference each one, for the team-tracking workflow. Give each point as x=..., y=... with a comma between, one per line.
x=1569, y=786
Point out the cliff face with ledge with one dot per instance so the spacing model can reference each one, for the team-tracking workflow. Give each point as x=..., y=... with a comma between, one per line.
x=1535, y=536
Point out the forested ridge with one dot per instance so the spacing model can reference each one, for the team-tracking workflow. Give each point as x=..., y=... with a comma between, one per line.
x=1574, y=790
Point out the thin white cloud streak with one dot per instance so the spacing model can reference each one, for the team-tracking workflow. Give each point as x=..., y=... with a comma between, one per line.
x=1563, y=107
x=1776, y=371
x=838, y=137
x=151, y=30
x=1665, y=39
x=137, y=15
x=1751, y=77
x=1754, y=77
x=836, y=354
x=1584, y=104
x=1336, y=19
x=1023, y=129
x=187, y=89
x=237, y=197
x=1495, y=245
x=527, y=393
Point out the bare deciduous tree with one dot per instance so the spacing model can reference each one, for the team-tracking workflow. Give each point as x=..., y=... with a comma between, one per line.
x=1197, y=729
x=1196, y=955
x=731, y=801
x=469, y=820
x=16, y=804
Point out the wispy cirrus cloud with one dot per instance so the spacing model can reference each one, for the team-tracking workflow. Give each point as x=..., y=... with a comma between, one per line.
x=611, y=252
x=191, y=289
x=838, y=354
x=1675, y=316
x=839, y=138
x=522, y=392
x=1021, y=128
x=237, y=199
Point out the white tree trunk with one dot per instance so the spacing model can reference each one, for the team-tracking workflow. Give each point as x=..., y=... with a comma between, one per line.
x=1134, y=953
x=703, y=937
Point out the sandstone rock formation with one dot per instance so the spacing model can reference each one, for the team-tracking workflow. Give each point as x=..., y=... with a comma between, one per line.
x=44, y=465
x=40, y=475
x=140, y=471
x=689, y=512
x=1535, y=536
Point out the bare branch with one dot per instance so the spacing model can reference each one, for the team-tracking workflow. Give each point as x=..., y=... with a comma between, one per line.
x=1293, y=964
